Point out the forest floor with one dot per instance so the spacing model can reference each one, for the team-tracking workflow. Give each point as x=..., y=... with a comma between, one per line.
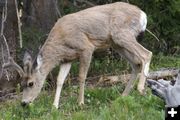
x=101, y=103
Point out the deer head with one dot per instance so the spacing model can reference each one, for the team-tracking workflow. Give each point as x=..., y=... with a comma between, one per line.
x=31, y=77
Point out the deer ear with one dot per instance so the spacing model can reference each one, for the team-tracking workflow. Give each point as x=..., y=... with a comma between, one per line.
x=27, y=60
x=27, y=57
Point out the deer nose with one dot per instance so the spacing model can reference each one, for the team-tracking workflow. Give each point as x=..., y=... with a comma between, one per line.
x=24, y=104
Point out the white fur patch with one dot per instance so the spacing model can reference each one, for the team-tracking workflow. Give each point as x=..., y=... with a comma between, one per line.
x=39, y=62
x=146, y=69
x=143, y=20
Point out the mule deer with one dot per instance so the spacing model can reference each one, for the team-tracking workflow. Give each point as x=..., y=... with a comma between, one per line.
x=77, y=36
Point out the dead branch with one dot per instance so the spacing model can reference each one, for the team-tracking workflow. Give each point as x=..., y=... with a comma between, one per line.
x=7, y=46
x=162, y=74
x=57, y=9
x=152, y=34
x=12, y=64
x=4, y=17
x=19, y=24
x=2, y=65
x=1, y=72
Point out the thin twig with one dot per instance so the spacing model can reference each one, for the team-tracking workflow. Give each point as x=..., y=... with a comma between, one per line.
x=5, y=14
x=152, y=34
x=4, y=17
x=57, y=9
x=19, y=24
x=3, y=63
x=2, y=69
x=2, y=23
x=7, y=46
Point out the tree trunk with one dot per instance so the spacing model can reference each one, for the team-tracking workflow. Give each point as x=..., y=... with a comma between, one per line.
x=11, y=33
x=40, y=13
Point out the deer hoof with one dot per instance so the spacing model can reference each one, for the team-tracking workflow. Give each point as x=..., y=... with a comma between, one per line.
x=124, y=94
x=55, y=106
x=141, y=91
x=81, y=103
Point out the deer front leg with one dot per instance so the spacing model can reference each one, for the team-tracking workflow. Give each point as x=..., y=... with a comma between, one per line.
x=85, y=60
x=64, y=70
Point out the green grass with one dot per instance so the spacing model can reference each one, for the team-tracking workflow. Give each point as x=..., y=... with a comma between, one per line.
x=101, y=103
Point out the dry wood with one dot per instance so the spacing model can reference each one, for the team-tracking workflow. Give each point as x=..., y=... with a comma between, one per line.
x=57, y=8
x=19, y=24
x=124, y=78
x=3, y=20
x=152, y=34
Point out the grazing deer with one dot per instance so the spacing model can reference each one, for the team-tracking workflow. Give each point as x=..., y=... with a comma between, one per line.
x=77, y=36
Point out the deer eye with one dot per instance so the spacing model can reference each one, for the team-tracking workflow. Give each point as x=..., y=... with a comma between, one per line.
x=30, y=84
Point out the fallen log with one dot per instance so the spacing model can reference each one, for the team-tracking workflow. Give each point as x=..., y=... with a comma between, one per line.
x=163, y=74
x=155, y=75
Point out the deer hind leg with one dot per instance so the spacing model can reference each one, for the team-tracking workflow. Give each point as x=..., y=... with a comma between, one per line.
x=64, y=70
x=144, y=71
x=85, y=60
x=131, y=82
x=135, y=69
x=137, y=55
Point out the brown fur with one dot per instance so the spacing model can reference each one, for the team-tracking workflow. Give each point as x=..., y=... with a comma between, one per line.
x=91, y=28
x=78, y=35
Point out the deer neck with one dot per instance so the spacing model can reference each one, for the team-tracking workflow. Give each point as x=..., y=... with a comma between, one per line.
x=46, y=65
x=47, y=59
